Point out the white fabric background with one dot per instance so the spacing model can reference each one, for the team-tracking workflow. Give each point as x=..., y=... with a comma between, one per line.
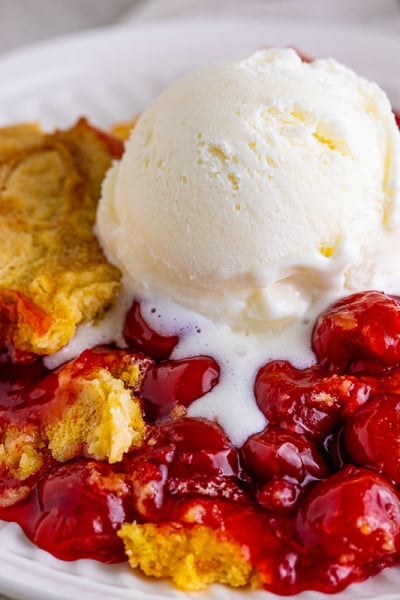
x=24, y=22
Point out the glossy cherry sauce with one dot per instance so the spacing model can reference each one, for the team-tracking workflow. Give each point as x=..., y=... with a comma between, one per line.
x=314, y=497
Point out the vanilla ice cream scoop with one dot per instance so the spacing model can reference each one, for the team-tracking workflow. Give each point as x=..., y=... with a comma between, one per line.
x=250, y=189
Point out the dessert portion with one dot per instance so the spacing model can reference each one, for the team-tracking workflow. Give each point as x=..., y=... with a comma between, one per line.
x=53, y=274
x=236, y=424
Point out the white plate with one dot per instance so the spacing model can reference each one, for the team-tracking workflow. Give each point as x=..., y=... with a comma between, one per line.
x=108, y=76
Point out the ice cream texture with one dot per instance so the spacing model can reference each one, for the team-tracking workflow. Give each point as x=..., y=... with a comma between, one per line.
x=251, y=190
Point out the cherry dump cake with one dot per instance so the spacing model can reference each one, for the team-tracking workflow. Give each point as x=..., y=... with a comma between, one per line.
x=228, y=414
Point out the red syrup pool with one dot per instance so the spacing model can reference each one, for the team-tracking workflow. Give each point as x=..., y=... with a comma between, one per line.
x=314, y=497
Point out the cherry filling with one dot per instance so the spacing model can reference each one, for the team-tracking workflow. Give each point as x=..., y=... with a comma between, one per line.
x=77, y=510
x=23, y=385
x=353, y=518
x=372, y=436
x=139, y=335
x=285, y=464
x=177, y=383
x=309, y=401
x=359, y=333
x=313, y=498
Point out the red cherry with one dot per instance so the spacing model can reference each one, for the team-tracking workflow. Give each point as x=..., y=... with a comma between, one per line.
x=83, y=504
x=200, y=447
x=353, y=517
x=275, y=452
x=397, y=118
x=307, y=401
x=360, y=333
x=372, y=436
x=285, y=463
x=177, y=382
x=139, y=335
x=182, y=457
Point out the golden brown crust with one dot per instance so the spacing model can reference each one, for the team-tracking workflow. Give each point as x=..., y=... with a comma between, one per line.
x=53, y=274
x=18, y=137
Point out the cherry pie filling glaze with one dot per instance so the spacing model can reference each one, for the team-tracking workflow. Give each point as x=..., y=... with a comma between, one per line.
x=310, y=502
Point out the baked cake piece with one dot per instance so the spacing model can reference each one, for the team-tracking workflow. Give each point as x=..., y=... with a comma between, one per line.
x=94, y=411
x=87, y=408
x=193, y=557
x=53, y=274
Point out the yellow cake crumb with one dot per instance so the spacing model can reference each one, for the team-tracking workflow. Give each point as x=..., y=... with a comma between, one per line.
x=103, y=422
x=193, y=557
x=21, y=450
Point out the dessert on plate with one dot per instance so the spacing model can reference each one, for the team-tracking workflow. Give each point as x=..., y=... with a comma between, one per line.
x=200, y=331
